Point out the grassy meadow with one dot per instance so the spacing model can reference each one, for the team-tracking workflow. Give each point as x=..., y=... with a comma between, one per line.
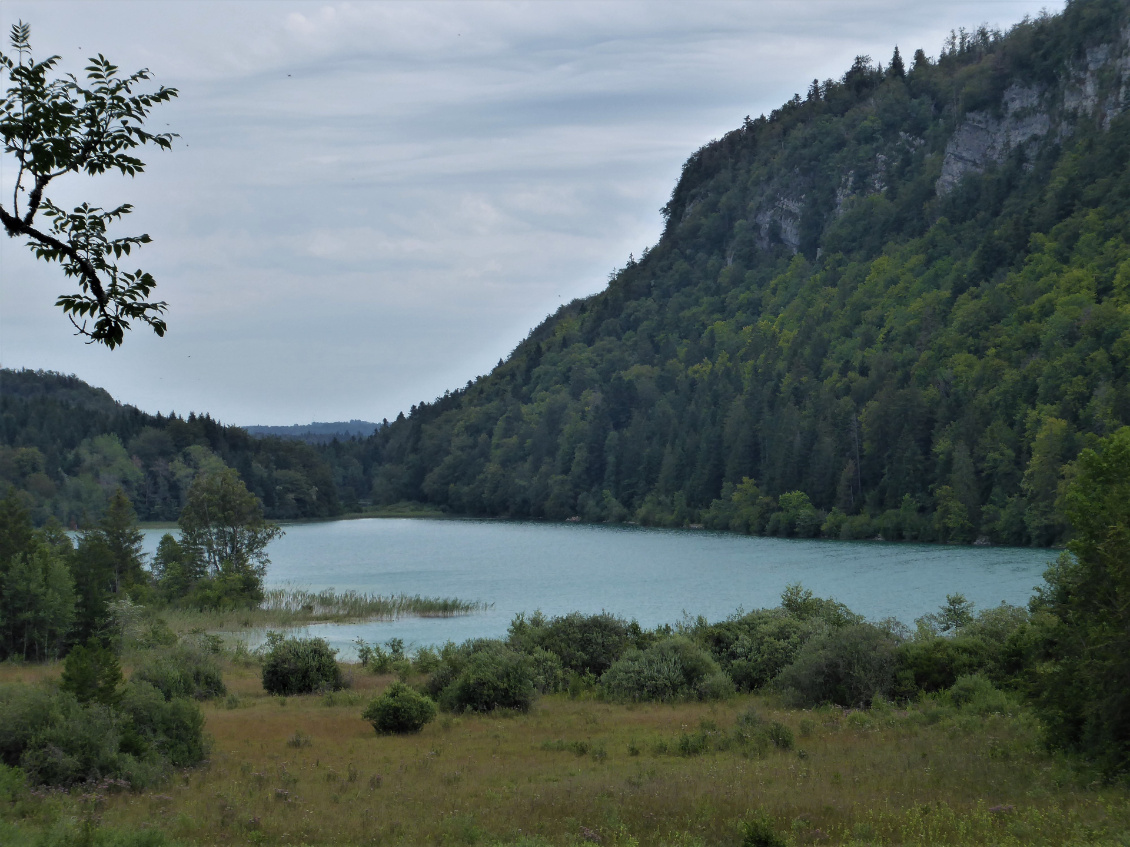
x=576, y=770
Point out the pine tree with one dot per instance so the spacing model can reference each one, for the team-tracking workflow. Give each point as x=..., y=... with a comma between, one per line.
x=124, y=541
x=896, y=69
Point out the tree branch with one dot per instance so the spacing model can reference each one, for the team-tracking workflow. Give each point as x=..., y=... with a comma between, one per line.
x=15, y=227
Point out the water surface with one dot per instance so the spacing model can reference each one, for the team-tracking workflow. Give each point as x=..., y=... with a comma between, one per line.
x=652, y=575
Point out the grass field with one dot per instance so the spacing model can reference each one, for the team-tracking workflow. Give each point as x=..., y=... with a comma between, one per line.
x=309, y=770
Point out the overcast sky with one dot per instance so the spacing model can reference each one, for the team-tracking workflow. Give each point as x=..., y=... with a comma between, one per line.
x=372, y=202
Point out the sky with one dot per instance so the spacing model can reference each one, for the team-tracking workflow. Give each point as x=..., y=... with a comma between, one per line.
x=370, y=203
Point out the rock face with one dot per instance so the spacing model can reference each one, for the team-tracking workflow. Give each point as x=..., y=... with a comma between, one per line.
x=781, y=221
x=1097, y=86
x=982, y=139
x=1100, y=84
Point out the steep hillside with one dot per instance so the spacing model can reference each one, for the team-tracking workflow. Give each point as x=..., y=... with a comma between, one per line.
x=67, y=447
x=899, y=305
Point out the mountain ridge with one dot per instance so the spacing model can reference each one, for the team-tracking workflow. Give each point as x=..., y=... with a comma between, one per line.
x=896, y=308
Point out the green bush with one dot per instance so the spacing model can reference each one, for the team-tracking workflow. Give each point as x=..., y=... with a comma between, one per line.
x=300, y=666
x=759, y=832
x=13, y=784
x=399, y=710
x=91, y=673
x=425, y=660
x=974, y=693
x=169, y=728
x=780, y=736
x=488, y=676
x=57, y=740
x=846, y=666
x=584, y=643
x=183, y=672
x=81, y=742
x=673, y=669
x=549, y=673
x=934, y=664
x=755, y=647
x=24, y=712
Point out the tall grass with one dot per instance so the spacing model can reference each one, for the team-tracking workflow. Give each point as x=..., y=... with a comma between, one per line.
x=310, y=770
x=290, y=606
x=331, y=605
x=573, y=771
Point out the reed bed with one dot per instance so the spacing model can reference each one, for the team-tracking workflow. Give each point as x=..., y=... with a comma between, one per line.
x=355, y=605
x=290, y=606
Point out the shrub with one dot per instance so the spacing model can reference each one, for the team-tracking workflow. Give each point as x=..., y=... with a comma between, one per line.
x=425, y=660
x=847, y=666
x=13, y=784
x=183, y=672
x=673, y=669
x=780, y=736
x=92, y=673
x=400, y=709
x=80, y=742
x=549, y=673
x=300, y=666
x=24, y=712
x=584, y=643
x=759, y=832
x=755, y=647
x=492, y=676
x=974, y=693
x=170, y=728
x=57, y=740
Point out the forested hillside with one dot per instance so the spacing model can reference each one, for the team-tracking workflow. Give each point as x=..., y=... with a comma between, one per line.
x=67, y=447
x=898, y=305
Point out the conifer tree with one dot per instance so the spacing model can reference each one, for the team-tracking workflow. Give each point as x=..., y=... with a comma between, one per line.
x=124, y=541
x=896, y=68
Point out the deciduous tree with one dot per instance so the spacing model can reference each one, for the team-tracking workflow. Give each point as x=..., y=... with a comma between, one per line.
x=53, y=127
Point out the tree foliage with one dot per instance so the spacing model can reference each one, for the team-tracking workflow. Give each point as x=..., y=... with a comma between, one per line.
x=68, y=448
x=1081, y=685
x=56, y=126
x=224, y=531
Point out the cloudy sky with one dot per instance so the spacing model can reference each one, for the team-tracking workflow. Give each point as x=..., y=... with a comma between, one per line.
x=372, y=202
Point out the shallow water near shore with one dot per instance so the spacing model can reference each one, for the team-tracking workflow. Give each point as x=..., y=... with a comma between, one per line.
x=655, y=576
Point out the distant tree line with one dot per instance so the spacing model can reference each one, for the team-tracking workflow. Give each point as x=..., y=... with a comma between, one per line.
x=67, y=447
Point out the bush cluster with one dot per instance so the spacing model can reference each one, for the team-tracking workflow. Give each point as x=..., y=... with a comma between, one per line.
x=812, y=650
x=300, y=666
x=673, y=669
x=183, y=671
x=400, y=710
x=487, y=675
x=55, y=739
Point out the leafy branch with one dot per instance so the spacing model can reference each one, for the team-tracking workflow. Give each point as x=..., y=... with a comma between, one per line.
x=53, y=127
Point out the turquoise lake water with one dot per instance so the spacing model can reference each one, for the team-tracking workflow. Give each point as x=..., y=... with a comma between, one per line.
x=652, y=575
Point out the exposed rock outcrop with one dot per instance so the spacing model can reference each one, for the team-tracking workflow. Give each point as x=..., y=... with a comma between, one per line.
x=982, y=138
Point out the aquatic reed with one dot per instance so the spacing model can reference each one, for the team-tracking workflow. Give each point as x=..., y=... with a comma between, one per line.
x=291, y=606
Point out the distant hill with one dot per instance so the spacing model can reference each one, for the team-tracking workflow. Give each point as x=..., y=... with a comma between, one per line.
x=67, y=446
x=318, y=432
x=899, y=305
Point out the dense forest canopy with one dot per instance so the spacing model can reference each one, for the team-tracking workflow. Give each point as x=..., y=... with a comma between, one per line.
x=899, y=306
x=68, y=447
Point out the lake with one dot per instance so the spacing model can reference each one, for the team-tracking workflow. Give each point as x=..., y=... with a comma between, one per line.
x=653, y=575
